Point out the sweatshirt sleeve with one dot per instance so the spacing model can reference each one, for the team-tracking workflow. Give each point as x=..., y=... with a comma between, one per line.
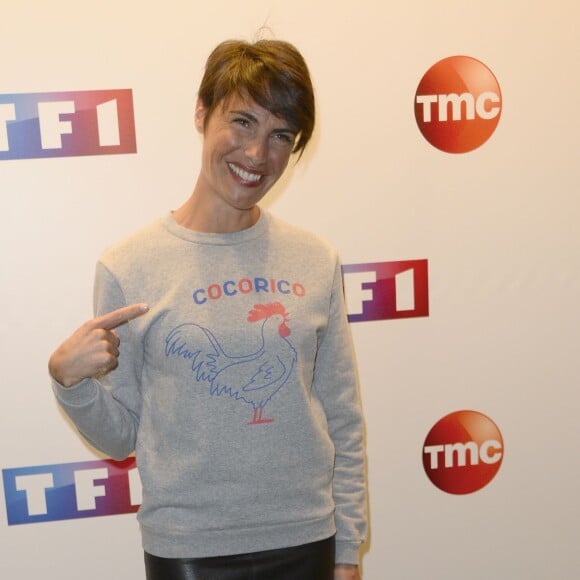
x=336, y=384
x=106, y=411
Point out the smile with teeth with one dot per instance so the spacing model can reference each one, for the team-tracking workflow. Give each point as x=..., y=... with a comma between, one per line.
x=245, y=175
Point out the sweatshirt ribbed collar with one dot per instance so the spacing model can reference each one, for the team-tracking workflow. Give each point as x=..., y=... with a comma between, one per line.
x=228, y=239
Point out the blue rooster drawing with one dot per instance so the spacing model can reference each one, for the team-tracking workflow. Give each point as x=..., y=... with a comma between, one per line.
x=254, y=378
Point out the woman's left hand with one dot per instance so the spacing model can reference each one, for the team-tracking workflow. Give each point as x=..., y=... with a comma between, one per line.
x=346, y=572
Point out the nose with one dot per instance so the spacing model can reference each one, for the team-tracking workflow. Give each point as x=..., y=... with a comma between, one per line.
x=256, y=150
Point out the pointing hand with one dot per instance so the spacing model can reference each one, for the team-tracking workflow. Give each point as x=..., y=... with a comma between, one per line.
x=93, y=349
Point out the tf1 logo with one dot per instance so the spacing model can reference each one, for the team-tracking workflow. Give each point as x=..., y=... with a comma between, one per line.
x=386, y=290
x=36, y=125
x=71, y=490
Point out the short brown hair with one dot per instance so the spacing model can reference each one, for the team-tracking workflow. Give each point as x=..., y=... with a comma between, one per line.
x=271, y=72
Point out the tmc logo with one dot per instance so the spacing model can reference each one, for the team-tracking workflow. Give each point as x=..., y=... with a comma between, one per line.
x=72, y=490
x=36, y=125
x=386, y=290
x=463, y=452
x=458, y=104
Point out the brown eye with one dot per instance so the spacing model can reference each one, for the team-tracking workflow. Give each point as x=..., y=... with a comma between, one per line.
x=242, y=121
x=285, y=138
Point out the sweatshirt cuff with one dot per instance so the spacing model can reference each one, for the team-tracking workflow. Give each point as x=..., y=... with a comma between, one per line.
x=347, y=552
x=78, y=395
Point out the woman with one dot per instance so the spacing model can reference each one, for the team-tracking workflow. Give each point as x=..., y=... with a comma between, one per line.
x=220, y=353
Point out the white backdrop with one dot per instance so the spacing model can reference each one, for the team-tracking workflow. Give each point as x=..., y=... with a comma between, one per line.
x=497, y=225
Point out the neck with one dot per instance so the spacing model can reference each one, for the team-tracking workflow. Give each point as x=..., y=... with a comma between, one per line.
x=198, y=216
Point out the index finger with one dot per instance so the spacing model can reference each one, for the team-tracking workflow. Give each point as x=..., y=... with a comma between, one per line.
x=117, y=317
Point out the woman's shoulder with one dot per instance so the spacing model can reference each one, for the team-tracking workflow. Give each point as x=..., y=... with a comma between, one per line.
x=298, y=235
x=139, y=242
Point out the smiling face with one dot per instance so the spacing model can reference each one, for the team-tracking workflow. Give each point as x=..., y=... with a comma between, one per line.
x=245, y=151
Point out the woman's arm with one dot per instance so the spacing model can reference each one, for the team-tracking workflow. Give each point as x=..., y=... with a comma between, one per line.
x=96, y=372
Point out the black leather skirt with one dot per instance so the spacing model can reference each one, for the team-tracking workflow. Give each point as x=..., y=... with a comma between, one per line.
x=307, y=562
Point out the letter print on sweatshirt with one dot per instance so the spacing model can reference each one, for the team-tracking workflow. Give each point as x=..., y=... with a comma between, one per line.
x=253, y=378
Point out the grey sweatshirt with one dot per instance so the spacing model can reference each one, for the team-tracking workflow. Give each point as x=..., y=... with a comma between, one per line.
x=237, y=390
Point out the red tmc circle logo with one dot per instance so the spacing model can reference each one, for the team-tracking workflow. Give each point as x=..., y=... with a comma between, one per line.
x=458, y=104
x=463, y=452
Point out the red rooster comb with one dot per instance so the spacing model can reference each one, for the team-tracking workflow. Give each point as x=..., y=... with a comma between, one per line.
x=261, y=311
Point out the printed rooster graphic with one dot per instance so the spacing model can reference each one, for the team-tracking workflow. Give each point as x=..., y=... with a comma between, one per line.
x=253, y=378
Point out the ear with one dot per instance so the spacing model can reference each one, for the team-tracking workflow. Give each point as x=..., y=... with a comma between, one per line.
x=199, y=116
